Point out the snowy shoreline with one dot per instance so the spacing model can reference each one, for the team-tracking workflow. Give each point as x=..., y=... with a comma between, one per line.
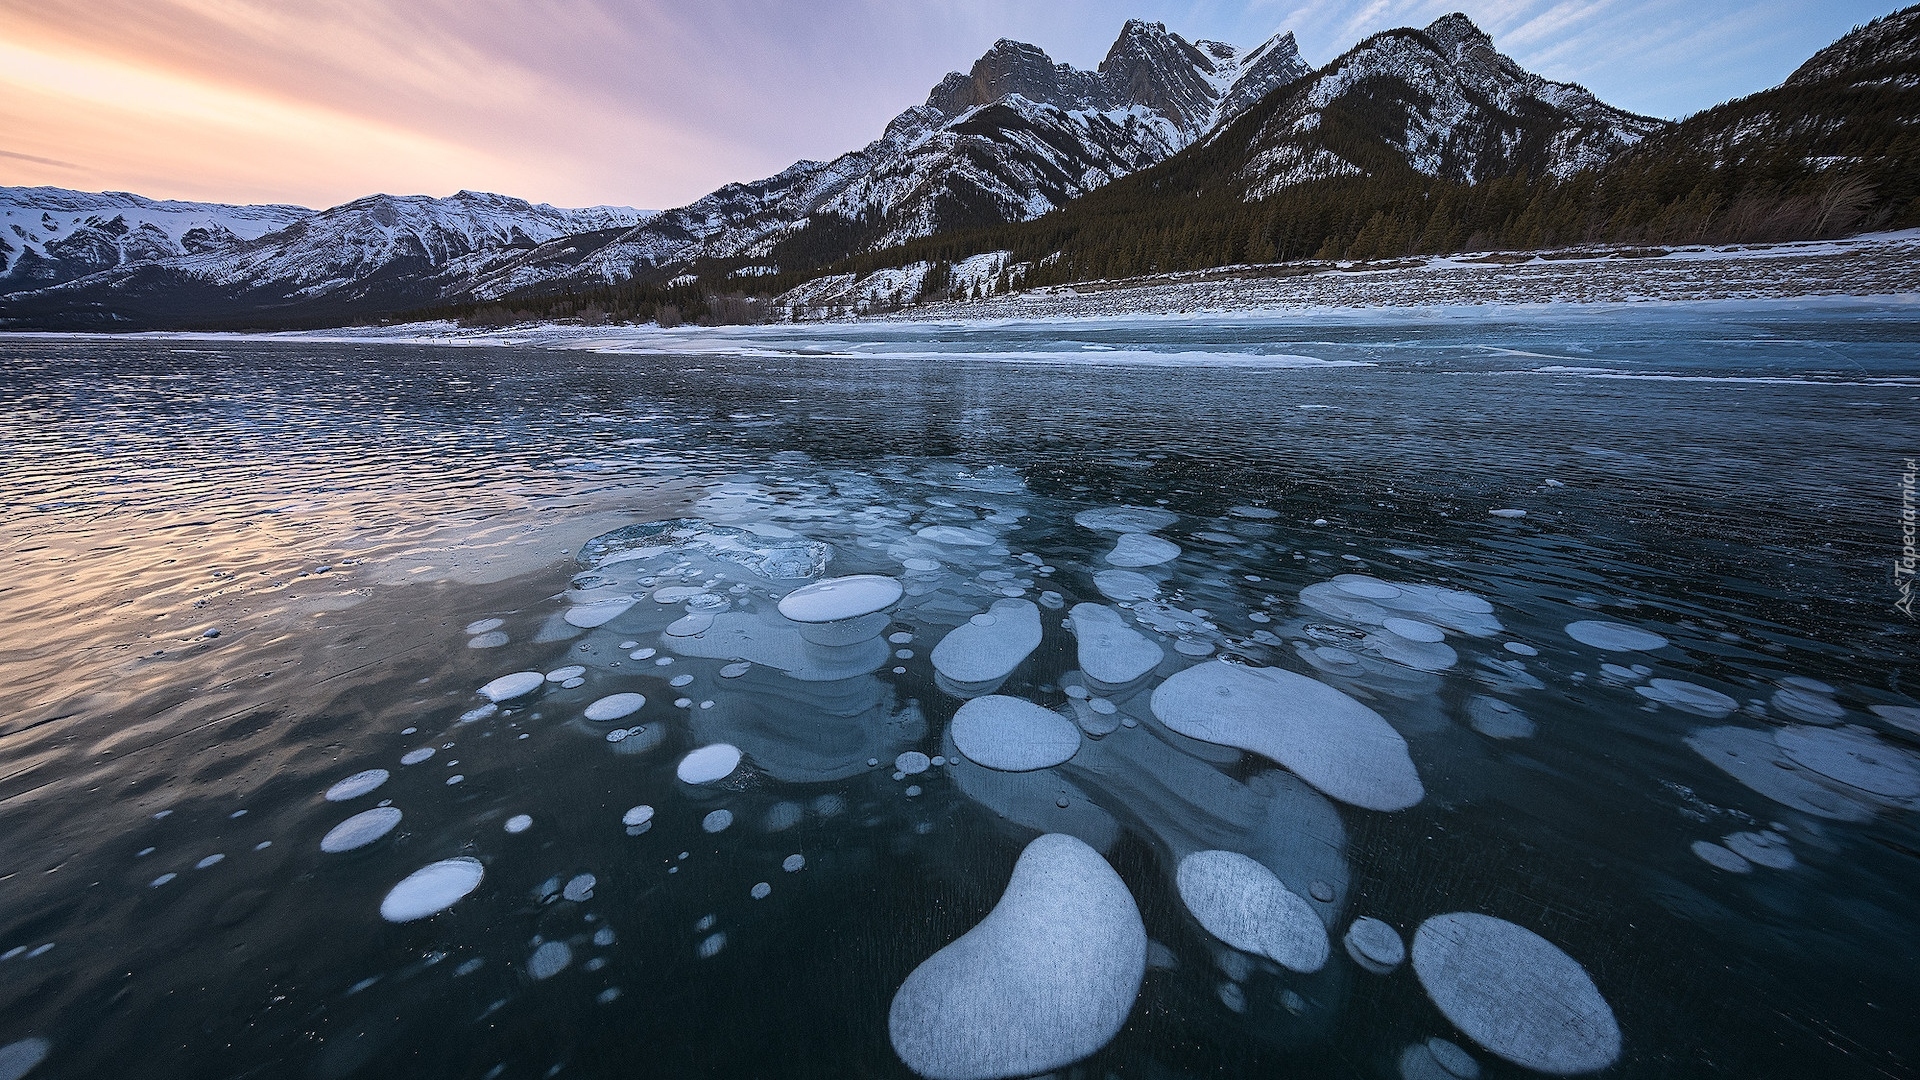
x=1878, y=272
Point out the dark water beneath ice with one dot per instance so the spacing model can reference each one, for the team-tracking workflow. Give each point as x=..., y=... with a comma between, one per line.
x=1729, y=478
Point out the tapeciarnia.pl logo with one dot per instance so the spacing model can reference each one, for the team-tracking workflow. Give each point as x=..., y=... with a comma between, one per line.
x=1903, y=567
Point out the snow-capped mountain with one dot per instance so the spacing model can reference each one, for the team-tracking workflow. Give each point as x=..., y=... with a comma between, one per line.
x=371, y=254
x=1015, y=137
x=1442, y=102
x=49, y=235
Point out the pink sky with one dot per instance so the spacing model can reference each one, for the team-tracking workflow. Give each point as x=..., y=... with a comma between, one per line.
x=648, y=103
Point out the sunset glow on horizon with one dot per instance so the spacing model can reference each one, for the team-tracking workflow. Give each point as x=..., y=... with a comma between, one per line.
x=642, y=103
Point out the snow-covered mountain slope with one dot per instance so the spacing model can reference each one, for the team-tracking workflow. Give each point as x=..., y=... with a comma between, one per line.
x=49, y=235
x=374, y=253
x=1440, y=101
x=1015, y=137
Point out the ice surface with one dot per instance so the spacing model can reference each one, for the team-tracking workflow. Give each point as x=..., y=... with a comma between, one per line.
x=615, y=707
x=1615, y=637
x=361, y=829
x=1046, y=979
x=709, y=763
x=1013, y=735
x=1497, y=719
x=357, y=785
x=1332, y=741
x=433, y=888
x=517, y=685
x=17, y=1059
x=1515, y=993
x=1243, y=904
x=1111, y=652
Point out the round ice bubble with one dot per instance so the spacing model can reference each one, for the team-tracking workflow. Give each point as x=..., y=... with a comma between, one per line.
x=709, y=763
x=1515, y=993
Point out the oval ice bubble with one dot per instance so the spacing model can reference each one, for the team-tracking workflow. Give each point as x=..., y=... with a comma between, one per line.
x=1615, y=637
x=837, y=599
x=358, y=784
x=708, y=764
x=361, y=829
x=1515, y=993
x=1245, y=905
x=1375, y=945
x=517, y=685
x=1140, y=549
x=615, y=707
x=432, y=889
x=638, y=815
x=1013, y=735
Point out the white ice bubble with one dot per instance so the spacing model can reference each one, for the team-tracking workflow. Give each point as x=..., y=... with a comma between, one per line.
x=976, y=654
x=793, y=863
x=1367, y=588
x=1414, y=630
x=1125, y=585
x=1254, y=513
x=1140, y=549
x=1756, y=760
x=562, y=674
x=615, y=707
x=1615, y=637
x=1768, y=849
x=1904, y=717
x=1498, y=719
x=1375, y=945
x=1046, y=979
x=1110, y=651
x=518, y=823
x=361, y=829
x=760, y=891
x=1013, y=735
x=517, y=685
x=1515, y=993
x=1244, y=904
x=1854, y=757
x=1125, y=519
x=550, y=959
x=1328, y=739
x=1721, y=858
x=492, y=640
x=1508, y=513
x=579, y=888
x=161, y=880
x=1520, y=648
x=680, y=680
x=717, y=821
x=210, y=860
x=480, y=713
x=1688, y=697
x=709, y=763
x=357, y=785
x=638, y=815
x=416, y=755
x=912, y=763
x=841, y=598
x=484, y=626
x=956, y=536
x=734, y=671
x=431, y=889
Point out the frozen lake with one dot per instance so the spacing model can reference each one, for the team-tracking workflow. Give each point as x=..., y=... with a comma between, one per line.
x=395, y=709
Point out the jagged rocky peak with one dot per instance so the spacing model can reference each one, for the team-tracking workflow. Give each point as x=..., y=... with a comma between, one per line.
x=1274, y=64
x=1014, y=67
x=1150, y=66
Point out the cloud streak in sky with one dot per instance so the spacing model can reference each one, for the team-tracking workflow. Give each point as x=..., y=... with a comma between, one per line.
x=652, y=103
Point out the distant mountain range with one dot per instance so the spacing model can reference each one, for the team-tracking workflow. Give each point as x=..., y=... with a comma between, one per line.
x=1172, y=154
